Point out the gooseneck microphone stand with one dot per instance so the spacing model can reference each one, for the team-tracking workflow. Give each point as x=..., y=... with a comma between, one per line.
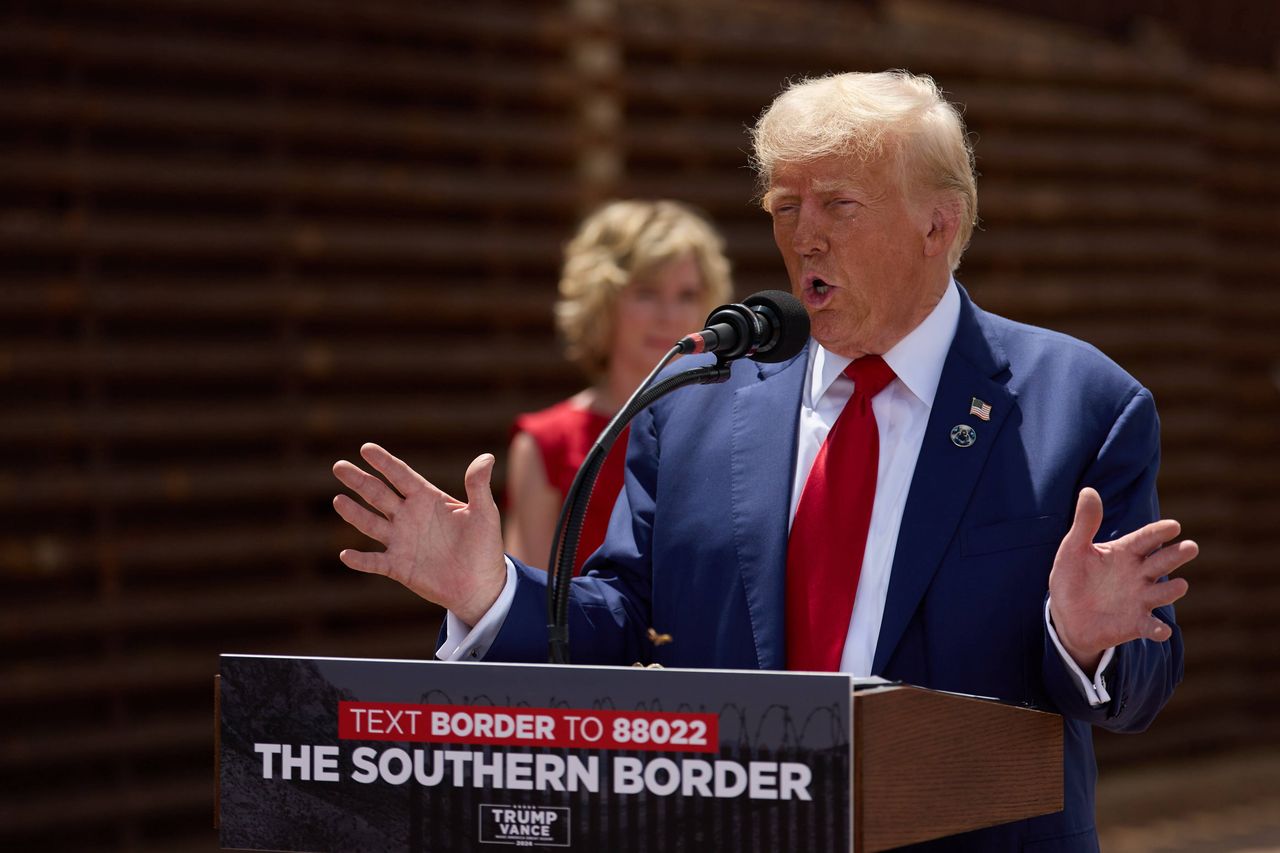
x=770, y=326
x=564, y=547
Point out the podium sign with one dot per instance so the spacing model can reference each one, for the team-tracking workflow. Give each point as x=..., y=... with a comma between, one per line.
x=330, y=754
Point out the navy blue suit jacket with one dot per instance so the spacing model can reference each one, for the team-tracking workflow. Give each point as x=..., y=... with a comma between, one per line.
x=697, y=544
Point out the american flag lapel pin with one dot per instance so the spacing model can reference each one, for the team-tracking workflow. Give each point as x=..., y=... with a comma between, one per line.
x=980, y=409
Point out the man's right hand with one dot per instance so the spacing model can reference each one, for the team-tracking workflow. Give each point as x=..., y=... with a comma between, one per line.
x=444, y=550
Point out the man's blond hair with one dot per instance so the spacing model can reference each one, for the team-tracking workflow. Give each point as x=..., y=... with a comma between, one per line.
x=867, y=117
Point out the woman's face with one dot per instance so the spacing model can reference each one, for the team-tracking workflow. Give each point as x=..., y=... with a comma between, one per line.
x=655, y=310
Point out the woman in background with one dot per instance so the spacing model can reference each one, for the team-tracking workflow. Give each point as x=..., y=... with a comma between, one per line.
x=638, y=276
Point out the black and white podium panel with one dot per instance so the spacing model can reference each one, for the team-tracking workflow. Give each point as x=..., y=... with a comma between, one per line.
x=341, y=755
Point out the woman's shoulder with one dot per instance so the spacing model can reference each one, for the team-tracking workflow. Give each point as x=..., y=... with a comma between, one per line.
x=570, y=416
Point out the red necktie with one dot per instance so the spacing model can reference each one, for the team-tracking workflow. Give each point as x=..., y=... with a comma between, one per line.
x=829, y=533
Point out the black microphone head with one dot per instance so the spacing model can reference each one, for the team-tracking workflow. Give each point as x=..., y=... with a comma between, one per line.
x=790, y=322
x=737, y=327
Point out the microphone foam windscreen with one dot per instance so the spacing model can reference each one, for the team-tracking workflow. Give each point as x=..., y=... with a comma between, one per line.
x=792, y=321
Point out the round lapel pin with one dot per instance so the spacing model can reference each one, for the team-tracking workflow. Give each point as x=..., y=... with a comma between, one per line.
x=963, y=435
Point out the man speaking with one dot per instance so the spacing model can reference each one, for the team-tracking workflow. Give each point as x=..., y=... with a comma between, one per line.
x=929, y=492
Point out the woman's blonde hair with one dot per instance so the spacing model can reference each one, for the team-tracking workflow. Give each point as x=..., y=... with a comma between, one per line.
x=618, y=242
x=869, y=116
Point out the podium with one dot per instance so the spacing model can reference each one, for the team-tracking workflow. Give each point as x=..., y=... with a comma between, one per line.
x=320, y=754
x=929, y=764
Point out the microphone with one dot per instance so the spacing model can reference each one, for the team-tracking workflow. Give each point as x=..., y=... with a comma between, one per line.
x=769, y=326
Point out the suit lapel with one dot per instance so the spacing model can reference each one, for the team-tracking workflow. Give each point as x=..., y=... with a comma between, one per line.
x=945, y=473
x=762, y=453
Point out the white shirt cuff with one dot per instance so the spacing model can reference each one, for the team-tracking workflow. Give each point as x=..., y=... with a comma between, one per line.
x=464, y=642
x=1095, y=690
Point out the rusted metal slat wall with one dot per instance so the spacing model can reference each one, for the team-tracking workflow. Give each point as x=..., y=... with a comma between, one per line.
x=237, y=239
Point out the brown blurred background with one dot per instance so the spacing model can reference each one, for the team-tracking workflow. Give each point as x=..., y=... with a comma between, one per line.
x=240, y=237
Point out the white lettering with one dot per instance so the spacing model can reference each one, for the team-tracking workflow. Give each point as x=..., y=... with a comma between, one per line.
x=268, y=751
x=420, y=771
x=518, y=772
x=760, y=780
x=795, y=780
x=596, y=729
x=764, y=780
x=366, y=771
x=457, y=759
x=461, y=724
x=490, y=770
x=584, y=775
x=521, y=772
x=697, y=773
x=524, y=830
x=725, y=788
x=400, y=775
x=627, y=778
x=666, y=766
x=548, y=773
x=326, y=764
x=359, y=714
x=300, y=762
x=494, y=725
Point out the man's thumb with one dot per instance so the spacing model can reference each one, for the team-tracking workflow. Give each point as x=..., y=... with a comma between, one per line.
x=1088, y=518
x=479, y=473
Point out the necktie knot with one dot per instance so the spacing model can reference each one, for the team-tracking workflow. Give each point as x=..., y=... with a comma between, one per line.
x=870, y=375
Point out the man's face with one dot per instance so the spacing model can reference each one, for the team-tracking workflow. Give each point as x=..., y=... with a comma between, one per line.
x=859, y=254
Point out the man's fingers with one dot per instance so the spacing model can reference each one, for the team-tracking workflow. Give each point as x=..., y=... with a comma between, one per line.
x=479, y=473
x=1088, y=519
x=1169, y=559
x=1154, y=629
x=375, y=492
x=1165, y=592
x=371, y=525
x=406, y=480
x=364, y=561
x=1148, y=538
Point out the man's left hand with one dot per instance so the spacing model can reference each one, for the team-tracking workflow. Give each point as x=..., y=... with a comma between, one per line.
x=1102, y=595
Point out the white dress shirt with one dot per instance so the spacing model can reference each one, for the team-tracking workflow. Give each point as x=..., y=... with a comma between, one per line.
x=902, y=412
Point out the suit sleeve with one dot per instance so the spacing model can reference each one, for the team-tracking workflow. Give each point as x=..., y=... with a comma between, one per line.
x=609, y=604
x=1143, y=673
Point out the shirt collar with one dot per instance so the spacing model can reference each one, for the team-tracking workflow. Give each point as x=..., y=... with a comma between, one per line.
x=917, y=359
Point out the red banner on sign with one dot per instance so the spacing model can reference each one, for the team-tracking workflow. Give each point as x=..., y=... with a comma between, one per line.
x=655, y=731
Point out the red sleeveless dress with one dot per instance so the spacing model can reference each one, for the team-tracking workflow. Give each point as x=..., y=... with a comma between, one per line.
x=564, y=434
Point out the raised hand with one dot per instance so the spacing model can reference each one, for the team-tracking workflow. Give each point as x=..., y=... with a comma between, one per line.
x=1102, y=595
x=446, y=551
